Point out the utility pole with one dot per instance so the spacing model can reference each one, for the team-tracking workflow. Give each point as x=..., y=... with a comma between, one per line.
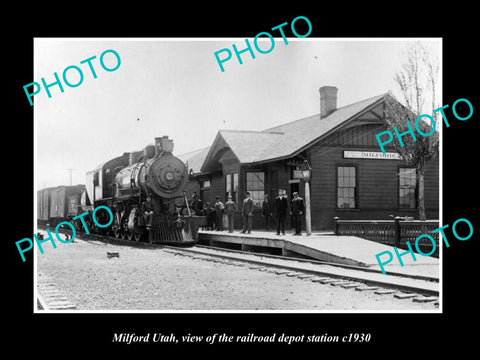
x=70, y=170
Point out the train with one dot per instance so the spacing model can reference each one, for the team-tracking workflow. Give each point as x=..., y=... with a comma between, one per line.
x=145, y=190
x=60, y=203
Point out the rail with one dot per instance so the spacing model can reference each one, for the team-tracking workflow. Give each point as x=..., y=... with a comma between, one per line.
x=419, y=284
x=395, y=232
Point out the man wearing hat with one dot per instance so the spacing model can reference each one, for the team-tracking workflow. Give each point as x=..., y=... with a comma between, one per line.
x=218, y=208
x=230, y=208
x=267, y=211
x=297, y=209
x=281, y=205
x=247, y=213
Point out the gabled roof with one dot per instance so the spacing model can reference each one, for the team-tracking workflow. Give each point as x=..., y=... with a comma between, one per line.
x=288, y=139
x=301, y=133
x=247, y=145
x=194, y=159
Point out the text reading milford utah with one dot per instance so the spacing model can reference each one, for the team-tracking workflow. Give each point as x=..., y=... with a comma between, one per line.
x=129, y=338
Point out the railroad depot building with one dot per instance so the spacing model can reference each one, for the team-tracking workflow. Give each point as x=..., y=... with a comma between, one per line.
x=351, y=178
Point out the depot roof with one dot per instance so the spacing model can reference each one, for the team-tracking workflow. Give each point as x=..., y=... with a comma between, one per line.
x=194, y=159
x=285, y=140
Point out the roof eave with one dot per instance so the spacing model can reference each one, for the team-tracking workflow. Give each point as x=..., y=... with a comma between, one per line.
x=338, y=127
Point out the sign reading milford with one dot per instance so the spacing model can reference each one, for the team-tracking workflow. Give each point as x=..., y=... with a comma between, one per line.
x=371, y=155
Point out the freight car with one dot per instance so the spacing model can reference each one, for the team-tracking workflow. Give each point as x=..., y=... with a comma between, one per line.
x=145, y=190
x=60, y=203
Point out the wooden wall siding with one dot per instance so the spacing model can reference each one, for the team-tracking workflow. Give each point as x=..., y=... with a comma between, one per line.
x=363, y=135
x=277, y=176
x=377, y=188
x=217, y=186
x=229, y=162
x=432, y=193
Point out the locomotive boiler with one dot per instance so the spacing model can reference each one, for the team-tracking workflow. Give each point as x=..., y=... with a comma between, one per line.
x=145, y=190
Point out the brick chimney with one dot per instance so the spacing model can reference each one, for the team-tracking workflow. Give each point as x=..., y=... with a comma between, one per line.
x=328, y=100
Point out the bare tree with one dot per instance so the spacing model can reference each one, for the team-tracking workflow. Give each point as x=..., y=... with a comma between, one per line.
x=417, y=81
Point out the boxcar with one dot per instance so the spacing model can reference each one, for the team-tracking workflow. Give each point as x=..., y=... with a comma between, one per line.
x=58, y=204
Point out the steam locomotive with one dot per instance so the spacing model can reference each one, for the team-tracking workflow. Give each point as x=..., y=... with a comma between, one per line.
x=145, y=191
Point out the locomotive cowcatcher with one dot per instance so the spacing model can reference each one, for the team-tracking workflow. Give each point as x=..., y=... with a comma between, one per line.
x=145, y=191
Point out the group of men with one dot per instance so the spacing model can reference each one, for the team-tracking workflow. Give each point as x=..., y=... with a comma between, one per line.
x=214, y=214
x=277, y=209
x=297, y=208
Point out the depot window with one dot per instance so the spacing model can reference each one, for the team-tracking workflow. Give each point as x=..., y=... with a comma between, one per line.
x=256, y=187
x=407, y=188
x=231, y=186
x=346, y=187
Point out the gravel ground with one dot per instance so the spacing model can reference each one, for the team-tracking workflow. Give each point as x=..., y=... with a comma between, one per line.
x=155, y=279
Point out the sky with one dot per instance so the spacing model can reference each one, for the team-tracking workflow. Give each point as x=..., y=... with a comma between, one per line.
x=175, y=87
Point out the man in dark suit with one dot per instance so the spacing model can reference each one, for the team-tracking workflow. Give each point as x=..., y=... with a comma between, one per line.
x=297, y=208
x=267, y=211
x=247, y=213
x=281, y=205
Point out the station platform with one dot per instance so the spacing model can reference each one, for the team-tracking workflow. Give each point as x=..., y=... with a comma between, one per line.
x=324, y=246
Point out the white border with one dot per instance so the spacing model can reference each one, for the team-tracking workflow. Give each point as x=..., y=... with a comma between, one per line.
x=440, y=87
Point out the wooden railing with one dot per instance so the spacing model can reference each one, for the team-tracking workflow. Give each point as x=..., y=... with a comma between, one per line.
x=395, y=232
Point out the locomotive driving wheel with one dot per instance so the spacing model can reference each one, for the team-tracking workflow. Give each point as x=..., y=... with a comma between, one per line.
x=137, y=237
x=117, y=225
x=124, y=232
x=133, y=235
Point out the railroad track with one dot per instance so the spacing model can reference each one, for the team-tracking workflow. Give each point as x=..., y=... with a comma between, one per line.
x=403, y=286
x=419, y=288
x=49, y=297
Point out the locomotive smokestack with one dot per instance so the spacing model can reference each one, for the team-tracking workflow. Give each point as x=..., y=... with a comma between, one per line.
x=163, y=144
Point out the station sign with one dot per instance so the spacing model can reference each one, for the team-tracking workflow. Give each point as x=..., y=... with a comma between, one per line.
x=297, y=174
x=347, y=154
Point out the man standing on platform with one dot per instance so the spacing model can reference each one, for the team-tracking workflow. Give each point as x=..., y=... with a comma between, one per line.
x=218, y=206
x=247, y=214
x=230, y=208
x=267, y=211
x=297, y=209
x=281, y=205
